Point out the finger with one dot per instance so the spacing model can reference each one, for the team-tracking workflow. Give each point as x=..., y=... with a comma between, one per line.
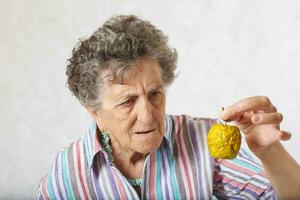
x=267, y=118
x=244, y=118
x=274, y=109
x=249, y=104
x=284, y=135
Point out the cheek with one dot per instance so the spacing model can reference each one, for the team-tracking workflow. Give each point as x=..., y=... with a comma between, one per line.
x=159, y=116
x=125, y=122
x=117, y=122
x=122, y=112
x=159, y=102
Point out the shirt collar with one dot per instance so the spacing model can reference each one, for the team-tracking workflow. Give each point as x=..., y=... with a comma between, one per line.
x=93, y=146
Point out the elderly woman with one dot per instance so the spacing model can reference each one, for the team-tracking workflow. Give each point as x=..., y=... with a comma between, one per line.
x=134, y=150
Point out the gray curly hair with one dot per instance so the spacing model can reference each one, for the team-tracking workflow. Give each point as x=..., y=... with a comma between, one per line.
x=110, y=52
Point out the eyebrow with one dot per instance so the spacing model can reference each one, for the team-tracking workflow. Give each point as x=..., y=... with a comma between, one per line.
x=129, y=95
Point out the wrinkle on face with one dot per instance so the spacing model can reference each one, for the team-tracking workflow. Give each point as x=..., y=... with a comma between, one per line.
x=146, y=111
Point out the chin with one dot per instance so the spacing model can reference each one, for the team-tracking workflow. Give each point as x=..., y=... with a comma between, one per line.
x=146, y=143
x=145, y=148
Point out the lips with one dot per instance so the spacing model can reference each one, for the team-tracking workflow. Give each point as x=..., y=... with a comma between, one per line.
x=145, y=132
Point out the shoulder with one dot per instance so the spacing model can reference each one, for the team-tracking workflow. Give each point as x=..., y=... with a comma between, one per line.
x=185, y=117
x=60, y=181
x=70, y=174
x=186, y=123
x=188, y=130
x=189, y=140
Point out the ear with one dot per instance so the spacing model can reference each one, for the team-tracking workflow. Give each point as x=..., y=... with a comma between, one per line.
x=93, y=112
x=96, y=115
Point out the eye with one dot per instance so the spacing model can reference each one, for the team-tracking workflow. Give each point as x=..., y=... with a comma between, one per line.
x=128, y=102
x=155, y=94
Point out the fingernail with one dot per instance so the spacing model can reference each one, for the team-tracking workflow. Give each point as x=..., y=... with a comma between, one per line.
x=286, y=135
x=289, y=134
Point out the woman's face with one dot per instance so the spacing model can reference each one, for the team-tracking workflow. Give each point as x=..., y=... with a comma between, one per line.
x=133, y=112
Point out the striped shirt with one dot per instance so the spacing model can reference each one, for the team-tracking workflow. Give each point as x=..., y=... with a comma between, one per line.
x=181, y=168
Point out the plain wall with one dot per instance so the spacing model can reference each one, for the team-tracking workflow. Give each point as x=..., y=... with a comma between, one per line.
x=228, y=50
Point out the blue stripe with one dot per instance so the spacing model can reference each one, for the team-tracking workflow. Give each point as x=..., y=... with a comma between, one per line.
x=168, y=180
x=237, y=192
x=174, y=184
x=246, y=165
x=247, y=157
x=158, y=175
x=87, y=150
x=246, y=153
x=66, y=176
x=164, y=171
x=93, y=130
x=95, y=177
x=57, y=177
x=50, y=188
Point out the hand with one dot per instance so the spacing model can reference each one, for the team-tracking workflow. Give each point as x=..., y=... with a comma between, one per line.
x=259, y=120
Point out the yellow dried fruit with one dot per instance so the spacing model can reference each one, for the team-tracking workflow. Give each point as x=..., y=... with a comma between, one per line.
x=224, y=141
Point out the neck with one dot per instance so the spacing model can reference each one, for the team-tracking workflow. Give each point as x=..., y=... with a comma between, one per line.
x=129, y=162
x=133, y=174
x=126, y=155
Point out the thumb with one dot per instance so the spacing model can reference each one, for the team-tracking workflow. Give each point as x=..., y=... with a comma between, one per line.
x=284, y=135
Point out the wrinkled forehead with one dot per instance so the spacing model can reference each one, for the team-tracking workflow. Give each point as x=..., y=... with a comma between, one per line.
x=141, y=69
x=143, y=74
x=144, y=69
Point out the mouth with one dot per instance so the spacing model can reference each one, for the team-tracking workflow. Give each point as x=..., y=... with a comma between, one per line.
x=145, y=132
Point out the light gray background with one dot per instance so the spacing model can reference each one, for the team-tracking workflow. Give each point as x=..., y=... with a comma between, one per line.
x=228, y=50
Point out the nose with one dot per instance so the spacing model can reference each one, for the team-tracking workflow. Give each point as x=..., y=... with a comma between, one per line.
x=145, y=112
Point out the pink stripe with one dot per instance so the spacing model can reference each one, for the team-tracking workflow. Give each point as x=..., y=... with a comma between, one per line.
x=96, y=144
x=177, y=135
x=120, y=187
x=44, y=189
x=184, y=162
x=152, y=193
x=86, y=177
x=237, y=168
x=263, y=174
x=241, y=185
x=224, y=179
x=79, y=171
x=73, y=146
x=211, y=122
